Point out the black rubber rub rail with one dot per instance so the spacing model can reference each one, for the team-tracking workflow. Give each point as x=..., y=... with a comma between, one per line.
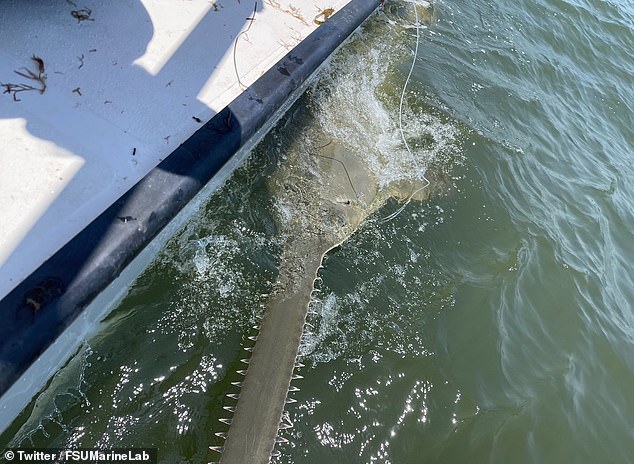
x=38, y=310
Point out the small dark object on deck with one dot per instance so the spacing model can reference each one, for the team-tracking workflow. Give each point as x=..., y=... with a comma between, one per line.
x=295, y=59
x=125, y=219
x=82, y=14
x=77, y=91
x=198, y=120
x=42, y=294
x=40, y=64
x=134, y=151
x=323, y=15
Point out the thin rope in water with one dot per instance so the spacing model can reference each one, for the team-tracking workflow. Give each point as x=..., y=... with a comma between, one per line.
x=400, y=126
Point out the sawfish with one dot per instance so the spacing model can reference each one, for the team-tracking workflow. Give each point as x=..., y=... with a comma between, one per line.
x=322, y=199
x=323, y=193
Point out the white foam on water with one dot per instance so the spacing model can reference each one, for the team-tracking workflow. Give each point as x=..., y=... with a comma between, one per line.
x=356, y=104
x=218, y=258
x=327, y=309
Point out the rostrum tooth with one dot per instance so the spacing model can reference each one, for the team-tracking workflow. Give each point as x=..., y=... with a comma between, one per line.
x=229, y=408
x=242, y=372
x=233, y=396
x=291, y=400
x=217, y=449
x=297, y=376
x=237, y=384
x=244, y=360
x=226, y=421
x=293, y=389
x=222, y=435
x=252, y=337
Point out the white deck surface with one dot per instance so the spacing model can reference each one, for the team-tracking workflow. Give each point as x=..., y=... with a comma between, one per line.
x=122, y=89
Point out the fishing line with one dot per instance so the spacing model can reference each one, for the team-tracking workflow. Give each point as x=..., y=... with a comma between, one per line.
x=334, y=159
x=321, y=147
x=400, y=125
x=235, y=45
x=344, y=168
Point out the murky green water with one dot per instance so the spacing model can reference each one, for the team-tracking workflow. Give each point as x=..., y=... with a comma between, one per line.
x=493, y=323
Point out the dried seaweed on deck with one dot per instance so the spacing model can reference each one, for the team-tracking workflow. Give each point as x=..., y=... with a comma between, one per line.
x=39, y=76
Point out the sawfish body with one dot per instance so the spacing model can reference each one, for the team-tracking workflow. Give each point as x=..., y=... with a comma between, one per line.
x=322, y=199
